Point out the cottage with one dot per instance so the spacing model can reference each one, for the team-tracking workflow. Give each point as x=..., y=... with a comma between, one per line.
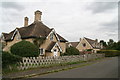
x=53, y=44
x=85, y=44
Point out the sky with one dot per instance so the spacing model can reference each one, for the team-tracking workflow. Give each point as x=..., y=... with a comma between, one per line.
x=72, y=19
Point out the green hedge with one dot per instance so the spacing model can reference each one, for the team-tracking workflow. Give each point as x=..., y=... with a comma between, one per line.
x=71, y=51
x=25, y=49
x=110, y=53
x=9, y=59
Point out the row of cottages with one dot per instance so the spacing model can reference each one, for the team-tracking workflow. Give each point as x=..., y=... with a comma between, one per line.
x=53, y=45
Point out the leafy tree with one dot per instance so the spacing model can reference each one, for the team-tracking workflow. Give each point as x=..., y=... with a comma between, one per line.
x=111, y=42
x=25, y=49
x=72, y=51
x=117, y=45
x=103, y=43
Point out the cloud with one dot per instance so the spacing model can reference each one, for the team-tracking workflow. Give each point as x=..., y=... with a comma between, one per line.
x=110, y=26
x=100, y=7
x=12, y=5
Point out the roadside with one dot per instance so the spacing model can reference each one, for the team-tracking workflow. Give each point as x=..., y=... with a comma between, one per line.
x=41, y=71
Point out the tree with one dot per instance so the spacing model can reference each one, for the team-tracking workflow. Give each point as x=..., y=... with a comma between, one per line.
x=72, y=51
x=25, y=49
x=9, y=59
x=103, y=43
x=118, y=45
x=111, y=42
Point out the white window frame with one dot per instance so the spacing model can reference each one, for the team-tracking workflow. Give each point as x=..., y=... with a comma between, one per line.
x=41, y=52
x=51, y=36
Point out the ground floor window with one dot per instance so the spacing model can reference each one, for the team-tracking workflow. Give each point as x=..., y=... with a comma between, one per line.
x=41, y=50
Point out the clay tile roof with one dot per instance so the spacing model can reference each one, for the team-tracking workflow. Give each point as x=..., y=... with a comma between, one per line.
x=74, y=44
x=90, y=40
x=50, y=46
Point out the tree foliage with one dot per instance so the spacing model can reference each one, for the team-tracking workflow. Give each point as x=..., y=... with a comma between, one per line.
x=8, y=59
x=72, y=51
x=111, y=45
x=25, y=49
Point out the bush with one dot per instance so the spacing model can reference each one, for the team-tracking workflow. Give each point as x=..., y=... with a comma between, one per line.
x=9, y=59
x=72, y=51
x=110, y=53
x=25, y=49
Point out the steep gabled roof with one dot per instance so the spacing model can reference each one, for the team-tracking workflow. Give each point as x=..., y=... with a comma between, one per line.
x=8, y=36
x=92, y=42
x=50, y=46
x=36, y=29
x=61, y=38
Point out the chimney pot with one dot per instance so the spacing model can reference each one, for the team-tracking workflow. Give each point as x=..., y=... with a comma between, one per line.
x=38, y=15
x=26, y=21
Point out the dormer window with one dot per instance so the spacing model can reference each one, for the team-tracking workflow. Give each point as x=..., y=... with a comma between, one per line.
x=51, y=36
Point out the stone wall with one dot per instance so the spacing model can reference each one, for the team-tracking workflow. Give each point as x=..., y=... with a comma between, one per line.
x=33, y=62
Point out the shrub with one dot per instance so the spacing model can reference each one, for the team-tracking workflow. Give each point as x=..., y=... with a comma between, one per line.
x=25, y=49
x=9, y=59
x=110, y=53
x=72, y=51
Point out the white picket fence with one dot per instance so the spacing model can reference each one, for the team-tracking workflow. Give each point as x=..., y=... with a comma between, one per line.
x=32, y=62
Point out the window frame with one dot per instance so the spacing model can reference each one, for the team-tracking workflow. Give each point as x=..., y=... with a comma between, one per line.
x=51, y=36
x=41, y=51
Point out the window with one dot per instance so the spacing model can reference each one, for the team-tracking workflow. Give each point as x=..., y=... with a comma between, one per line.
x=55, y=50
x=51, y=36
x=41, y=51
x=84, y=45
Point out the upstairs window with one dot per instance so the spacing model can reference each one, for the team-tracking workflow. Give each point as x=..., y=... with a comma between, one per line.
x=51, y=36
x=84, y=44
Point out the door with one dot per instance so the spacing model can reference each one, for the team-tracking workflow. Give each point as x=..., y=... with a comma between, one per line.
x=55, y=52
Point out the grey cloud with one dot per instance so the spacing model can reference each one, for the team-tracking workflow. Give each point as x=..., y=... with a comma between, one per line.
x=12, y=5
x=99, y=7
x=111, y=26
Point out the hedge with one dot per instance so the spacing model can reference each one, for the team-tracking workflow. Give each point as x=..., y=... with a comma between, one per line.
x=25, y=49
x=9, y=59
x=110, y=53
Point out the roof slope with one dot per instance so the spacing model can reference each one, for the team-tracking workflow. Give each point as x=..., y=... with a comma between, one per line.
x=50, y=46
x=74, y=44
x=93, y=43
x=36, y=29
x=90, y=40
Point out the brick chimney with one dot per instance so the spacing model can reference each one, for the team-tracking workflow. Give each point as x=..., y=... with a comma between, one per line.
x=38, y=15
x=25, y=21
